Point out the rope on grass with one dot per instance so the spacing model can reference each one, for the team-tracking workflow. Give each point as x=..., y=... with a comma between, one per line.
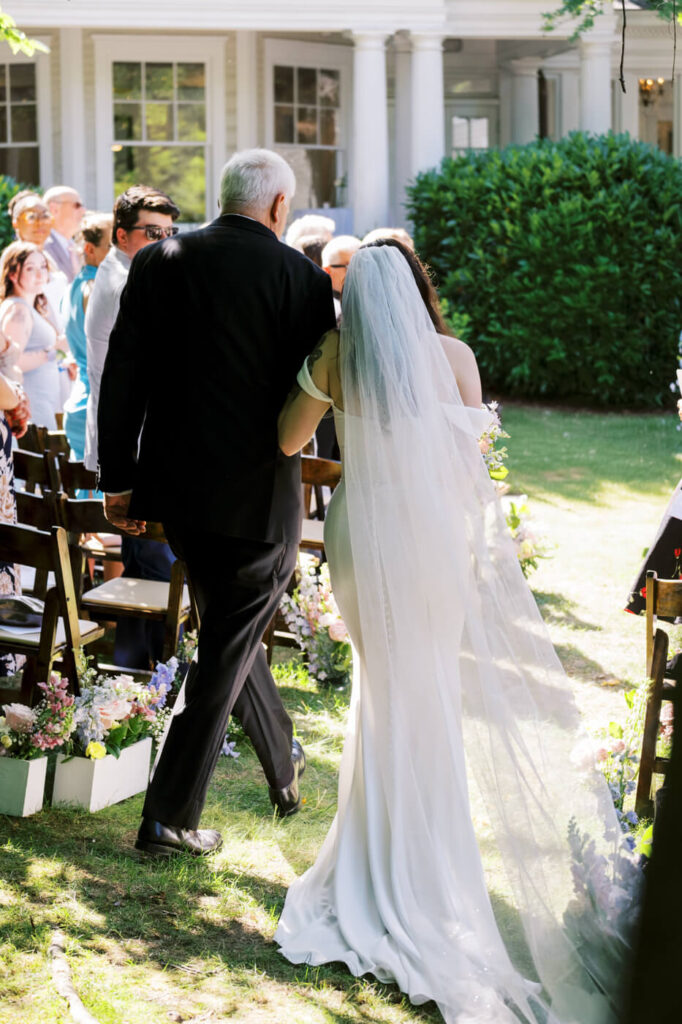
x=61, y=975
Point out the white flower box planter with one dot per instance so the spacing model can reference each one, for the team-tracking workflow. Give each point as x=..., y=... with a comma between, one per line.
x=94, y=784
x=22, y=785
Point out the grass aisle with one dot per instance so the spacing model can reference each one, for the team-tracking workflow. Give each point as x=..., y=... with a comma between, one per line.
x=150, y=943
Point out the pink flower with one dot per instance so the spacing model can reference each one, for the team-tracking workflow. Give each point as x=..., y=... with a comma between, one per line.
x=19, y=717
x=338, y=632
x=115, y=711
x=601, y=754
x=617, y=747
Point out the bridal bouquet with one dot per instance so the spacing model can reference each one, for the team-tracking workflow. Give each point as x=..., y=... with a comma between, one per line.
x=27, y=733
x=313, y=617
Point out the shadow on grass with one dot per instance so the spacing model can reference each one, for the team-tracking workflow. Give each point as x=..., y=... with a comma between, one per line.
x=577, y=665
x=162, y=906
x=558, y=610
x=573, y=454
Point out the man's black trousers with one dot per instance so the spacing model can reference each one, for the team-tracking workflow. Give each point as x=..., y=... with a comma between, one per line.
x=238, y=584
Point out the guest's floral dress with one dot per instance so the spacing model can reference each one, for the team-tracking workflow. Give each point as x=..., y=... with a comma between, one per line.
x=664, y=555
x=9, y=573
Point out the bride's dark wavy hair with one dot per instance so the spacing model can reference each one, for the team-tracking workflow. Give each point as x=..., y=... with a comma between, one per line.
x=422, y=278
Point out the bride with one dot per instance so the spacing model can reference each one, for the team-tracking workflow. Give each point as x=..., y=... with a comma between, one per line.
x=475, y=858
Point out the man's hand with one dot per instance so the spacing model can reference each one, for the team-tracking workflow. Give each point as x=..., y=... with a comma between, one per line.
x=116, y=511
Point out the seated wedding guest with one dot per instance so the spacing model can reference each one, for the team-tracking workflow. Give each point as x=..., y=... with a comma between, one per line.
x=27, y=322
x=400, y=234
x=95, y=239
x=309, y=224
x=32, y=222
x=665, y=553
x=336, y=256
x=142, y=216
x=312, y=246
x=67, y=209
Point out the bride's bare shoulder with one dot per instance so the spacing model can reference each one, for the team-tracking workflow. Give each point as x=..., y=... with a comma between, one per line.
x=457, y=351
x=464, y=367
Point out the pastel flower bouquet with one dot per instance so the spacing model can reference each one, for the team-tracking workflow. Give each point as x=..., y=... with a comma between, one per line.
x=313, y=617
x=27, y=733
x=113, y=712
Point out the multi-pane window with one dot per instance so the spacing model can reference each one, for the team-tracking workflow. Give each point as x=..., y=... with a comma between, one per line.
x=307, y=130
x=159, y=125
x=470, y=133
x=19, y=151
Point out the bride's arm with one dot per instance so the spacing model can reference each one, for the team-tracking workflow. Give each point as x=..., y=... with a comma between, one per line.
x=302, y=412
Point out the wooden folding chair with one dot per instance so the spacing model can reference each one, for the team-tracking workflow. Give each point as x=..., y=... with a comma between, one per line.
x=75, y=477
x=37, y=471
x=61, y=636
x=663, y=598
x=39, y=439
x=125, y=597
x=315, y=474
x=40, y=512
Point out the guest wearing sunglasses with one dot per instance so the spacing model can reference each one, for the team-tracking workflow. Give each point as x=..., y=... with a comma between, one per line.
x=142, y=216
x=67, y=209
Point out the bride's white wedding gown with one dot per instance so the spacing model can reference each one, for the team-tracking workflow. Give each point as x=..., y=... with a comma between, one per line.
x=455, y=687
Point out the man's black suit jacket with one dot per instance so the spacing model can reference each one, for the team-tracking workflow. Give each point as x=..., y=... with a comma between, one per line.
x=212, y=329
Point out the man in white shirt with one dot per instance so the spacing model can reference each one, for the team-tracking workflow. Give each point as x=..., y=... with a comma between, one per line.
x=67, y=209
x=142, y=215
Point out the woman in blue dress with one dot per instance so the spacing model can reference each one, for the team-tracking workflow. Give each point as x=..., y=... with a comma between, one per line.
x=96, y=239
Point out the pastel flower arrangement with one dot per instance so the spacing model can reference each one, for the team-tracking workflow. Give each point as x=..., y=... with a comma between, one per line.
x=28, y=733
x=113, y=712
x=313, y=617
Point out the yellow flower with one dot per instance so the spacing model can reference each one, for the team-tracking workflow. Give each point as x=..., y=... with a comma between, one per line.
x=95, y=750
x=6, y=742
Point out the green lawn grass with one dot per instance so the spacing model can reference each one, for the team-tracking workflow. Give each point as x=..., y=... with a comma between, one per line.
x=192, y=941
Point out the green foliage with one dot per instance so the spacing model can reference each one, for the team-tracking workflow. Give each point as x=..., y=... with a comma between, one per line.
x=18, y=41
x=585, y=11
x=8, y=189
x=566, y=260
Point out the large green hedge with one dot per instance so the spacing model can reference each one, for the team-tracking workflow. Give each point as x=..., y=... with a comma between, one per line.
x=561, y=264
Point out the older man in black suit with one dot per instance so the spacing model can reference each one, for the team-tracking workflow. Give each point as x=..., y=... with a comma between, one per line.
x=212, y=329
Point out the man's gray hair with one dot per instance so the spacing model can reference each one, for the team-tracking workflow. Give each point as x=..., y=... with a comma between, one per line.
x=252, y=179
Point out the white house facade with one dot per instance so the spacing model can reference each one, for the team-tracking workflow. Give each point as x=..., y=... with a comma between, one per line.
x=358, y=96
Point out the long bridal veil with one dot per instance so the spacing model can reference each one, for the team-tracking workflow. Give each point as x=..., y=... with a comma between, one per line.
x=465, y=699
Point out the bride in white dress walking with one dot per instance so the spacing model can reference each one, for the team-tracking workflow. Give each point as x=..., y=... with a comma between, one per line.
x=467, y=796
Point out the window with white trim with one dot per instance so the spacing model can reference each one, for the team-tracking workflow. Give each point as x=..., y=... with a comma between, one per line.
x=19, y=146
x=469, y=133
x=307, y=108
x=159, y=130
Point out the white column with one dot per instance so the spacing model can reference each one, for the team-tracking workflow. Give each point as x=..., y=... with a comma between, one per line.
x=428, y=102
x=403, y=126
x=72, y=111
x=569, y=102
x=627, y=106
x=505, y=107
x=525, y=112
x=595, y=85
x=370, y=133
x=247, y=90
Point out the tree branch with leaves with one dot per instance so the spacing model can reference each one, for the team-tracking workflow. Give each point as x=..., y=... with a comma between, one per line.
x=17, y=40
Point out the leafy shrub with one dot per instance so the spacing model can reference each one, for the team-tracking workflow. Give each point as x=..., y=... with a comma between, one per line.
x=561, y=263
x=8, y=189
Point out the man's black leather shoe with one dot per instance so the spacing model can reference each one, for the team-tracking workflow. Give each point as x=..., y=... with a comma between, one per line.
x=298, y=756
x=287, y=801
x=166, y=840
